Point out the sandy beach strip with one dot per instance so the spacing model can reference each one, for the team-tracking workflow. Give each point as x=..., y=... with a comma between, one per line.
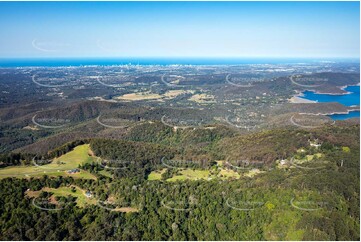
x=297, y=99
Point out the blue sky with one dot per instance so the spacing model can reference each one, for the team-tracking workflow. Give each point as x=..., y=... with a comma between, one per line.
x=179, y=29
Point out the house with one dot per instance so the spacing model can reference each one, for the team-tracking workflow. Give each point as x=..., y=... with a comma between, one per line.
x=73, y=171
x=88, y=194
x=315, y=143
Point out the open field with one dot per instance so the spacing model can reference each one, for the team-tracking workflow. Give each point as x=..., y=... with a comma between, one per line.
x=190, y=174
x=58, y=167
x=225, y=174
x=311, y=157
x=71, y=160
x=174, y=93
x=33, y=171
x=105, y=173
x=139, y=96
x=156, y=175
x=202, y=98
x=79, y=193
x=81, y=199
x=125, y=210
x=253, y=172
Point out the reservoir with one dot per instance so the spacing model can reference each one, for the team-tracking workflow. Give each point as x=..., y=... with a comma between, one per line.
x=350, y=99
x=351, y=114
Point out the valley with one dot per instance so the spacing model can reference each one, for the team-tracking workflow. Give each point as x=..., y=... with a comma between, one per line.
x=206, y=152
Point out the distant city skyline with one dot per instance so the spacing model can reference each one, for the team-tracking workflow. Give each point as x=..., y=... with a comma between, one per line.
x=180, y=29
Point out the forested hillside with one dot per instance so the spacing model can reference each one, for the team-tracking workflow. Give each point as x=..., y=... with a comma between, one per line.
x=279, y=203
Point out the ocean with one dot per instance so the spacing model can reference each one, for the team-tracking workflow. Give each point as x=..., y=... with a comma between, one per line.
x=53, y=62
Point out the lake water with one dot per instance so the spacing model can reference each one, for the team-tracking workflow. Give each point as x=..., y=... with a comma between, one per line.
x=348, y=99
x=351, y=114
x=351, y=99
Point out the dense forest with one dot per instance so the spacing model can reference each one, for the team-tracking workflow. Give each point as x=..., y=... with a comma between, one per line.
x=279, y=204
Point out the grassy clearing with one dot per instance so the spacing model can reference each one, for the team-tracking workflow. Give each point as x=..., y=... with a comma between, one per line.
x=125, y=210
x=81, y=199
x=105, y=173
x=79, y=193
x=253, y=172
x=156, y=175
x=225, y=174
x=58, y=167
x=137, y=96
x=33, y=171
x=220, y=162
x=202, y=98
x=184, y=175
x=71, y=160
x=190, y=174
x=311, y=157
x=174, y=93
x=205, y=174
